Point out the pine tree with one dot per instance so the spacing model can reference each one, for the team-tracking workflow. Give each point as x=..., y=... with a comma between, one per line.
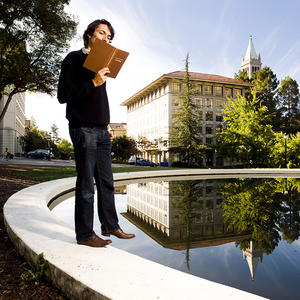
x=289, y=103
x=186, y=134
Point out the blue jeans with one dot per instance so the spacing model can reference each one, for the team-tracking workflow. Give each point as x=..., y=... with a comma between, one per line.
x=92, y=149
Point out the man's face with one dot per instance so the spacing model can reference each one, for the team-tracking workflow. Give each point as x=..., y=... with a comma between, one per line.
x=101, y=32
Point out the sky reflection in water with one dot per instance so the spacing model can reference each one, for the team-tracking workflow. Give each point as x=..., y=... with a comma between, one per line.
x=239, y=232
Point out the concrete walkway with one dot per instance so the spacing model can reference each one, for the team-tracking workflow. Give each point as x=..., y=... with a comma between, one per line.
x=108, y=273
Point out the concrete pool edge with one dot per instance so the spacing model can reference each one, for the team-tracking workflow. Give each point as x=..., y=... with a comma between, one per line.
x=108, y=273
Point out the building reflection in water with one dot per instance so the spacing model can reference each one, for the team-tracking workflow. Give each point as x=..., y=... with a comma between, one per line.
x=181, y=215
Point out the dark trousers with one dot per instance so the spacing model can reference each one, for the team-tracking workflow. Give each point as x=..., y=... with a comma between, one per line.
x=92, y=149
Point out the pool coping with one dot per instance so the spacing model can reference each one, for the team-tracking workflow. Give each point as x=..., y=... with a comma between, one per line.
x=108, y=273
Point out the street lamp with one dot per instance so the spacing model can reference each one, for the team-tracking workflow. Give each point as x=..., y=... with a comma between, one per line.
x=285, y=137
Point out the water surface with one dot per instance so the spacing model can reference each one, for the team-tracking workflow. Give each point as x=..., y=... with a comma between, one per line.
x=242, y=233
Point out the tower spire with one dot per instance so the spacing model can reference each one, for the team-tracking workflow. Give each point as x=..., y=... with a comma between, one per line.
x=251, y=62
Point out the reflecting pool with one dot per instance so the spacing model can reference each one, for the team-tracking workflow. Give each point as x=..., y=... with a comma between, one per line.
x=242, y=232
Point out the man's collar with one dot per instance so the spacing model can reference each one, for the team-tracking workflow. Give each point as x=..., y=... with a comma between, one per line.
x=85, y=51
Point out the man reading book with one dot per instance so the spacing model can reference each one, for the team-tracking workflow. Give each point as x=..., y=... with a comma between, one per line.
x=87, y=111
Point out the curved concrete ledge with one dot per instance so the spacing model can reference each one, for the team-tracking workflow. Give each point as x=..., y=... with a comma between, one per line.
x=108, y=273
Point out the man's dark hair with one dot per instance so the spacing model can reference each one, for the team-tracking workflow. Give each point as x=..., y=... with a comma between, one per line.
x=91, y=28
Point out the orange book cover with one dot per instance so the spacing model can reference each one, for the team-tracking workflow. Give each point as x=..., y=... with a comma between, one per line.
x=103, y=55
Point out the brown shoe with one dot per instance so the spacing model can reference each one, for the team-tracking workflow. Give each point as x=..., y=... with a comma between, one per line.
x=94, y=241
x=119, y=233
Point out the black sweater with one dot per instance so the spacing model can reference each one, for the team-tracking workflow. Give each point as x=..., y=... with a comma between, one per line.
x=87, y=105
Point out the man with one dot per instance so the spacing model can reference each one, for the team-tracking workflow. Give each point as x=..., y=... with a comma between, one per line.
x=88, y=115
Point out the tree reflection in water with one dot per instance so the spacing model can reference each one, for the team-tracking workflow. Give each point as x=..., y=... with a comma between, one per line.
x=264, y=207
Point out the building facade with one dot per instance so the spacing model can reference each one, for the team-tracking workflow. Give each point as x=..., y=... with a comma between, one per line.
x=150, y=112
x=118, y=129
x=12, y=126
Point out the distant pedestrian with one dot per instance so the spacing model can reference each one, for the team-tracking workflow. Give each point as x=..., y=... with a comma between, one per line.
x=7, y=154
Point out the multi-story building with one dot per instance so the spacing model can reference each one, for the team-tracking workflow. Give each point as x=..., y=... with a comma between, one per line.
x=12, y=126
x=118, y=129
x=150, y=111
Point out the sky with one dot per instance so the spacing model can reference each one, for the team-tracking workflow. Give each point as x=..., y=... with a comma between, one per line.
x=159, y=34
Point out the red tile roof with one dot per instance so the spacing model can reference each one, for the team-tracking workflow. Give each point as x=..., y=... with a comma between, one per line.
x=207, y=77
x=118, y=125
x=193, y=76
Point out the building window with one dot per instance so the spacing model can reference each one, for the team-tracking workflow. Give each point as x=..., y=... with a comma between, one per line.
x=199, y=113
x=198, y=101
x=207, y=90
x=209, y=140
x=208, y=103
x=219, y=117
x=219, y=128
x=208, y=130
x=209, y=116
x=176, y=87
x=219, y=104
x=197, y=89
x=218, y=91
x=228, y=92
x=237, y=92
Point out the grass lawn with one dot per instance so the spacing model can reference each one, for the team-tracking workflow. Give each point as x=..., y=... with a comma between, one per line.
x=46, y=174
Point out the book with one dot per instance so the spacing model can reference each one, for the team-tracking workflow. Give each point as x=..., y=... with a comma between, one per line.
x=104, y=55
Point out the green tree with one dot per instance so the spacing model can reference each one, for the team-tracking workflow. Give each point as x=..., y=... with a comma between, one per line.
x=143, y=144
x=33, y=34
x=34, y=139
x=54, y=134
x=286, y=153
x=290, y=207
x=247, y=133
x=252, y=205
x=123, y=147
x=289, y=103
x=242, y=75
x=65, y=150
x=265, y=86
x=185, y=135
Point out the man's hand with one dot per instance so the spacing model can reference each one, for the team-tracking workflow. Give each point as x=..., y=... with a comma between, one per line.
x=111, y=134
x=100, y=77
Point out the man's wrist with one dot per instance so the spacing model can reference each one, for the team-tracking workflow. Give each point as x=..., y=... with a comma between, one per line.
x=97, y=81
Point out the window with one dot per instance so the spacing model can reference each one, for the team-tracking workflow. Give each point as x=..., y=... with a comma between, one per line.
x=209, y=140
x=218, y=91
x=176, y=87
x=198, y=101
x=207, y=90
x=208, y=103
x=237, y=92
x=209, y=116
x=228, y=92
x=199, y=114
x=197, y=89
x=208, y=130
x=219, y=117
x=219, y=104
x=219, y=128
